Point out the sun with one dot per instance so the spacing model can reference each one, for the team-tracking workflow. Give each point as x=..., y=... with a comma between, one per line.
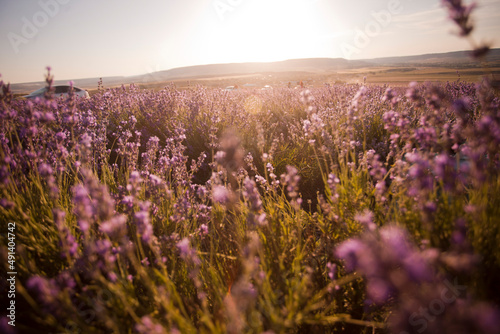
x=261, y=31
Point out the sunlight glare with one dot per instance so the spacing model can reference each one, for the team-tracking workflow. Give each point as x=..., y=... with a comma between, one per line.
x=263, y=31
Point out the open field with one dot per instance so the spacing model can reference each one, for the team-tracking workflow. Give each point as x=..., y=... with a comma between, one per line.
x=394, y=76
x=403, y=76
x=391, y=76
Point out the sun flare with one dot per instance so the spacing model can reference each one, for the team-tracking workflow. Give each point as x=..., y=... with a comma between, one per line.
x=263, y=31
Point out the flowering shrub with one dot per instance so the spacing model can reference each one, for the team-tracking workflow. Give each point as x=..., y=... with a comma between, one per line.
x=344, y=208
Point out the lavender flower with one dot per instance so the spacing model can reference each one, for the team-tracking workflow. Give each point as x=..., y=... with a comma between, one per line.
x=366, y=218
x=5, y=327
x=187, y=253
x=115, y=227
x=460, y=14
x=69, y=246
x=350, y=251
x=331, y=270
x=220, y=194
x=147, y=326
x=143, y=222
x=252, y=195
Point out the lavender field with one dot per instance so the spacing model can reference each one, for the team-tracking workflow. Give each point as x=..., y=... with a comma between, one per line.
x=346, y=208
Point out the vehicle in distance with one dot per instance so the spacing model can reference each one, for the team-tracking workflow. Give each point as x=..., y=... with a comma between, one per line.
x=61, y=90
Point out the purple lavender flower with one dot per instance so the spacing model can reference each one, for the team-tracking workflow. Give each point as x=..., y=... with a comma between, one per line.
x=444, y=169
x=412, y=91
x=418, y=267
x=331, y=270
x=203, y=229
x=5, y=327
x=350, y=251
x=251, y=193
x=378, y=290
x=291, y=180
x=44, y=289
x=461, y=107
x=460, y=14
x=395, y=240
x=83, y=207
x=115, y=227
x=184, y=247
x=332, y=182
x=45, y=170
x=366, y=218
x=147, y=326
x=112, y=276
x=143, y=222
x=4, y=175
x=187, y=253
x=220, y=194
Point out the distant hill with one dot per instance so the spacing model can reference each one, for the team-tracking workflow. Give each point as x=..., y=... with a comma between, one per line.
x=458, y=59
x=447, y=59
x=217, y=70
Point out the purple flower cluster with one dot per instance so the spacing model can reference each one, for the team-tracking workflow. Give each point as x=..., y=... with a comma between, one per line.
x=399, y=273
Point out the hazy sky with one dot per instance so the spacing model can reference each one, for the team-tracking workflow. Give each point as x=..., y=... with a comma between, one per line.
x=96, y=38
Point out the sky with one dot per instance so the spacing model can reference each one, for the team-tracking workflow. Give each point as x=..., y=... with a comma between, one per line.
x=96, y=38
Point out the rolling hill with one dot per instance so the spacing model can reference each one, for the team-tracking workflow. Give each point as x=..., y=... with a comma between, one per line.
x=455, y=60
